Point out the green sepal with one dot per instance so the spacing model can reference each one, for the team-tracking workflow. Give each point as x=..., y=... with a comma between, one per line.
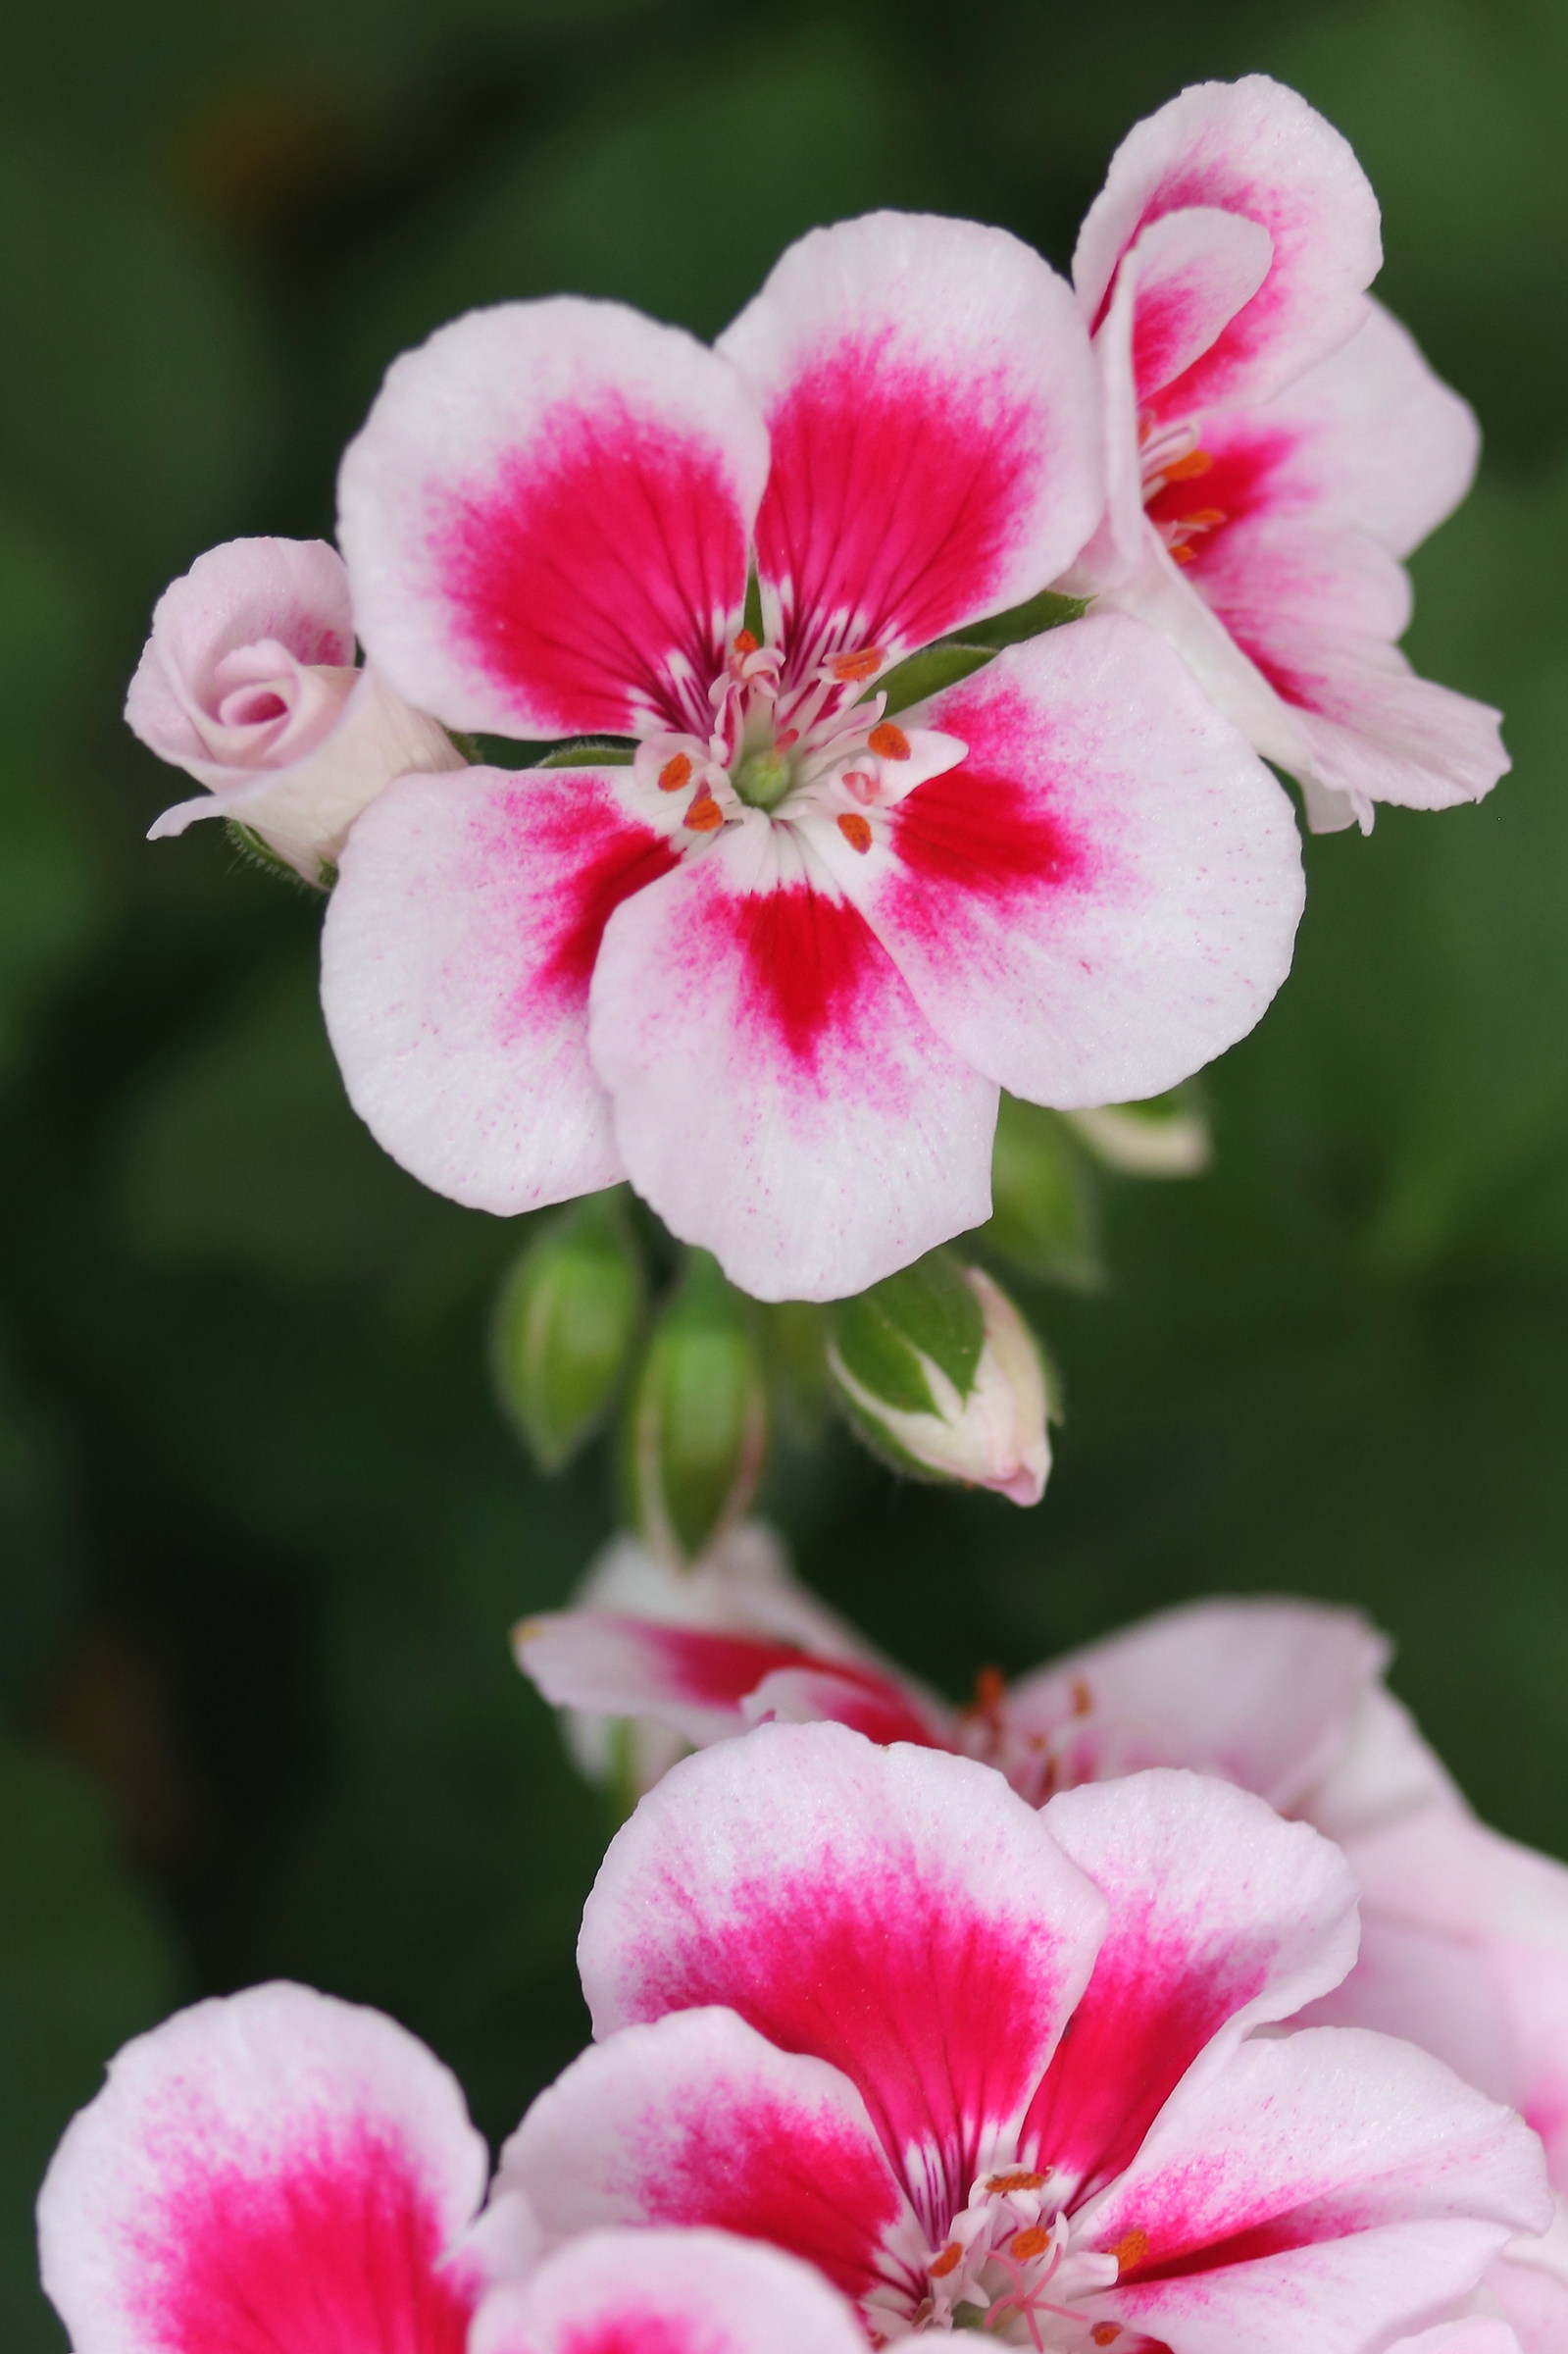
x=565, y=1322
x=257, y=852
x=1046, y=1205
x=1031, y=619
x=695, y=1433
x=588, y=751
x=920, y=676
x=794, y=1345
x=927, y=1311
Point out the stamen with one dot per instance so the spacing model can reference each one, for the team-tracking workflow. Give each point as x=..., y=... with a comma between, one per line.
x=855, y=830
x=1105, y=2334
x=856, y=781
x=1131, y=2250
x=1025, y=2244
x=1017, y=2182
x=888, y=743
x=704, y=815
x=674, y=773
x=862, y=665
x=744, y=643
x=1180, y=553
x=990, y=1690
x=788, y=741
x=1083, y=1697
x=1182, y=470
x=1203, y=519
x=948, y=2260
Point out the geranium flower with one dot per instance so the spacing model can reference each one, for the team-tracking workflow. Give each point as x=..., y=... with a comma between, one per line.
x=775, y=966
x=248, y=683
x=1464, y=1934
x=1276, y=444
x=983, y=2064
x=279, y=2173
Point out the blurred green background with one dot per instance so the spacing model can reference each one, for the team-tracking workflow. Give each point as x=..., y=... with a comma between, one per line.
x=263, y=1531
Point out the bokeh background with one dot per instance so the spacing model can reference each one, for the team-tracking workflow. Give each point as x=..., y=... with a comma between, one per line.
x=263, y=1530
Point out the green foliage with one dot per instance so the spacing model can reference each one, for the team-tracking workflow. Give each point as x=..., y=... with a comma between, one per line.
x=242, y=1394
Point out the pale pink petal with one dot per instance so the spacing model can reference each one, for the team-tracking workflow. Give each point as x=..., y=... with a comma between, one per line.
x=895, y=1911
x=303, y=812
x=1368, y=441
x=545, y=518
x=1222, y=1917
x=818, y=1693
x=1468, y=1956
x=455, y=966
x=698, y=2120
x=290, y=593
x=275, y=2168
x=1265, y=1692
x=1530, y=2283
x=667, y=2292
x=779, y=1098
x=1383, y=1773
x=930, y=394
x=694, y=1680
x=1479, y=2333
x=1255, y=148
x=1322, y=2193
x=1104, y=895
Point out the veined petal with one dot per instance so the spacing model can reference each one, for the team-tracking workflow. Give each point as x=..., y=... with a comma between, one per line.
x=1265, y=1692
x=897, y=1913
x=666, y=2292
x=1222, y=1917
x=545, y=520
x=698, y=2119
x=455, y=966
x=1326, y=2189
x=1105, y=893
x=930, y=394
x=272, y=2169
x=695, y=1679
x=779, y=1098
x=1255, y=148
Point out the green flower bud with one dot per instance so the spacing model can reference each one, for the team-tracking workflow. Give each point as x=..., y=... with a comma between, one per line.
x=1044, y=1213
x=565, y=1321
x=695, y=1435
x=1166, y=1137
x=943, y=1379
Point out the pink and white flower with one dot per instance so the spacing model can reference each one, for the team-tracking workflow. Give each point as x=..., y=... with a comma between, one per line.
x=276, y=2170
x=1464, y=1934
x=1276, y=445
x=775, y=965
x=248, y=681
x=983, y=2062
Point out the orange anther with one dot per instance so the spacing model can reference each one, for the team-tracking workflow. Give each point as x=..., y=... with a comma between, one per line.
x=704, y=814
x=1182, y=470
x=855, y=830
x=863, y=665
x=1083, y=1697
x=744, y=643
x=941, y=2266
x=1019, y=2182
x=888, y=743
x=1032, y=2242
x=990, y=1690
x=1105, y=2334
x=674, y=773
x=1180, y=553
x=1204, y=519
x=1131, y=2249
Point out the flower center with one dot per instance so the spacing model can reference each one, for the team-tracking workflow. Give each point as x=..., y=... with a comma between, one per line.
x=1171, y=460
x=1009, y=2267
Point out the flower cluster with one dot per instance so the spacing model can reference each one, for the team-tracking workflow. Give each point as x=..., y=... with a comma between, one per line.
x=827, y=835
x=881, y=2049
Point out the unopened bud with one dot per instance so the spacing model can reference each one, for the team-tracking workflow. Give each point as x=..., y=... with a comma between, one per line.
x=697, y=1425
x=1043, y=1209
x=1166, y=1137
x=943, y=1378
x=564, y=1326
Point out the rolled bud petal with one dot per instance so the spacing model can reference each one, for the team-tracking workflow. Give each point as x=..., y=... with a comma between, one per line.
x=248, y=683
x=1044, y=1213
x=565, y=1321
x=943, y=1379
x=1166, y=1137
x=697, y=1427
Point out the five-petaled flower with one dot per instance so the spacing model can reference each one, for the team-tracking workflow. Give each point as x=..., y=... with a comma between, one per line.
x=276, y=2170
x=983, y=2064
x=1464, y=1934
x=1275, y=445
x=775, y=965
